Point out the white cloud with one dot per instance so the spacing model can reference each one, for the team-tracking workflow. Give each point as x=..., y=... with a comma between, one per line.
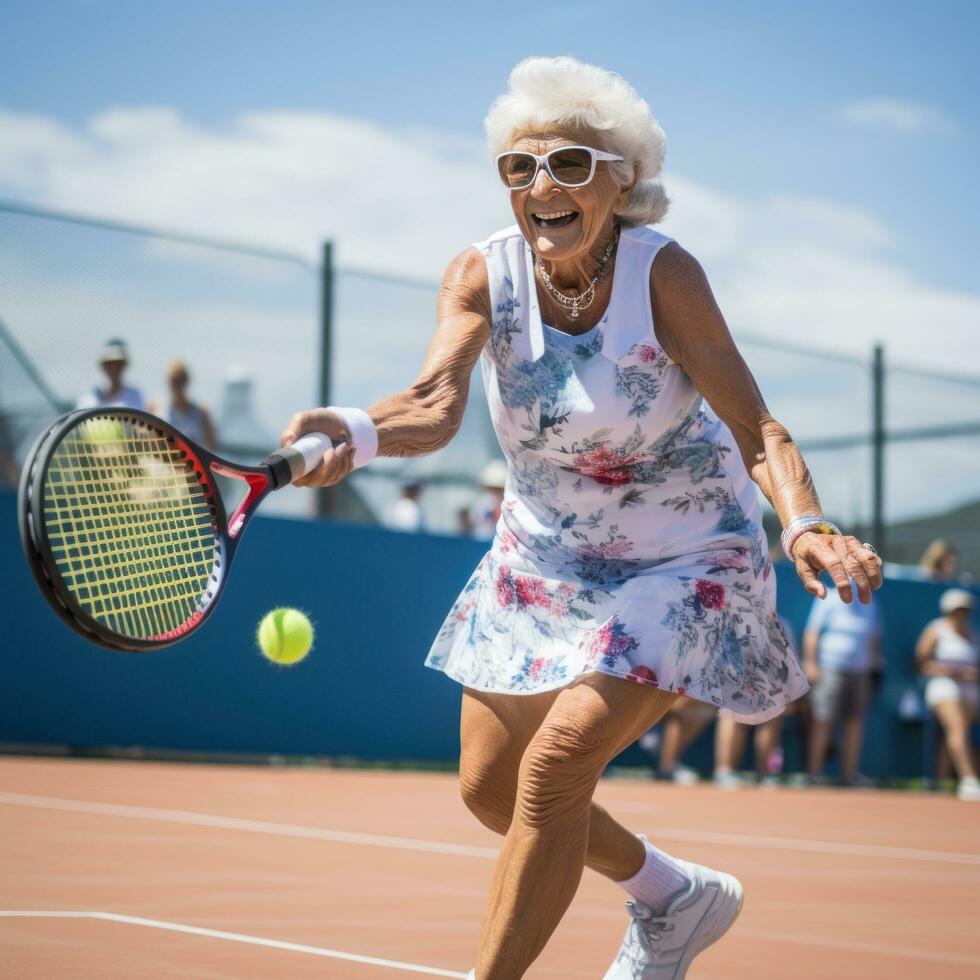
x=895, y=114
x=793, y=268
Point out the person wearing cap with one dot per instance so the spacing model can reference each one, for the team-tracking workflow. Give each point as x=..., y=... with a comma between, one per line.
x=113, y=359
x=947, y=655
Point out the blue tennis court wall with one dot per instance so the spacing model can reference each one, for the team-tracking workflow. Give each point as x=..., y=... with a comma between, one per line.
x=377, y=598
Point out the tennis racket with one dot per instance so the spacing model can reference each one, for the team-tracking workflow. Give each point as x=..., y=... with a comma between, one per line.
x=124, y=529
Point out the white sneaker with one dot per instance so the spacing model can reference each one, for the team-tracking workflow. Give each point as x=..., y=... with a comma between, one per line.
x=661, y=947
x=968, y=789
x=684, y=775
x=729, y=780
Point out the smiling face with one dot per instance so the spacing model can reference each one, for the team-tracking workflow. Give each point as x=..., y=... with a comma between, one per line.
x=566, y=223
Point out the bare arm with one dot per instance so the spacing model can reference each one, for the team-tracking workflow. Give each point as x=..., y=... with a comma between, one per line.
x=426, y=415
x=694, y=333
x=925, y=647
x=811, y=658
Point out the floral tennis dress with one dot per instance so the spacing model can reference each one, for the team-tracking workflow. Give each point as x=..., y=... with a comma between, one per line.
x=630, y=538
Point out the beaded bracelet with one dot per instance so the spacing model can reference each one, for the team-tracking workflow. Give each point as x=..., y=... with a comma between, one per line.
x=804, y=525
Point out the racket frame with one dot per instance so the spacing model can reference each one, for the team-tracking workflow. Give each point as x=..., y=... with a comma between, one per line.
x=275, y=472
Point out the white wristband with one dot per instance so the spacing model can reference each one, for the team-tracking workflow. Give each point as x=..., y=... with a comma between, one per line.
x=363, y=434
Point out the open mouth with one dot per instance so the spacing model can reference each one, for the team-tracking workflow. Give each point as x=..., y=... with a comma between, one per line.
x=554, y=219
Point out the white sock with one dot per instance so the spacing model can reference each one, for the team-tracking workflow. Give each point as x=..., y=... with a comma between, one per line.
x=658, y=881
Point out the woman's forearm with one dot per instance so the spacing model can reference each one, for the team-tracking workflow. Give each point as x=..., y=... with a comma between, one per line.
x=420, y=420
x=782, y=475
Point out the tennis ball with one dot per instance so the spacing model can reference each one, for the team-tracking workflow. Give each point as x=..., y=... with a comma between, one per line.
x=285, y=636
x=103, y=430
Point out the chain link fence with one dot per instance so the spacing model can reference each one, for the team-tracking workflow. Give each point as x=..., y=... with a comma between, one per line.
x=249, y=323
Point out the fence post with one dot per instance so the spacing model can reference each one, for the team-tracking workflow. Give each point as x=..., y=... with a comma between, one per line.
x=878, y=438
x=326, y=499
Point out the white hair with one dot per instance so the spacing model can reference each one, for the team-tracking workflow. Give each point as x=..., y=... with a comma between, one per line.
x=548, y=93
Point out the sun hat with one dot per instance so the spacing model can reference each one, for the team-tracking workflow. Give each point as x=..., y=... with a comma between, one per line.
x=953, y=599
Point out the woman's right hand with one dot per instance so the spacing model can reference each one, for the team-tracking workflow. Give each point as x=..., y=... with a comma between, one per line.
x=812, y=671
x=337, y=461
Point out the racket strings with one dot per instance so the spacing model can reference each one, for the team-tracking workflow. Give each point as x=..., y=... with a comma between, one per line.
x=130, y=527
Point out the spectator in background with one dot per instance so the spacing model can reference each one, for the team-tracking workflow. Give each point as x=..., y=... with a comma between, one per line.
x=684, y=722
x=190, y=418
x=730, y=739
x=841, y=646
x=9, y=472
x=947, y=654
x=405, y=514
x=940, y=561
x=485, y=511
x=464, y=522
x=113, y=359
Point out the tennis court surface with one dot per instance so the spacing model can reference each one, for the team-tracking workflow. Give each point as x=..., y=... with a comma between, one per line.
x=117, y=869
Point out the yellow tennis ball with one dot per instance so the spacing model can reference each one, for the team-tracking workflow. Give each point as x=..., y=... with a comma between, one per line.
x=285, y=636
x=103, y=430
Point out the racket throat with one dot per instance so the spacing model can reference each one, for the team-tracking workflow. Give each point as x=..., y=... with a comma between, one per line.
x=258, y=486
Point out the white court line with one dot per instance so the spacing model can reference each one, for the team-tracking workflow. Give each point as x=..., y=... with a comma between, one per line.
x=801, y=844
x=874, y=949
x=464, y=850
x=238, y=937
x=252, y=826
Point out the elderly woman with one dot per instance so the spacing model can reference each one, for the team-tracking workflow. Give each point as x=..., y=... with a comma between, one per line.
x=629, y=564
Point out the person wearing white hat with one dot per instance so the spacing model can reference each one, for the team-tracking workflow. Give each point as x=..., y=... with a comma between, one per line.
x=947, y=655
x=113, y=359
x=485, y=511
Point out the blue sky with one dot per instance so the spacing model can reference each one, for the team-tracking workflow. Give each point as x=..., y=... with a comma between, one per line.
x=749, y=93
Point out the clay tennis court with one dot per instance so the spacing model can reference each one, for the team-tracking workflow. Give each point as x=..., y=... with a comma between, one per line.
x=138, y=869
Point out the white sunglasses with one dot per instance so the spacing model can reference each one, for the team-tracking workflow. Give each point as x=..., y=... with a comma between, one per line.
x=568, y=166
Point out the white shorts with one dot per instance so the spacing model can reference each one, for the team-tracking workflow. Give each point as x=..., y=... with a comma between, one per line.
x=942, y=689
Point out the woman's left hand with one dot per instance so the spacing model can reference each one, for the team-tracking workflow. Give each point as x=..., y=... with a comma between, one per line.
x=843, y=558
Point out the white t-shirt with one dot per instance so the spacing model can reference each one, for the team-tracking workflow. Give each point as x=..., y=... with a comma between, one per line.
x=126, y=397
x=846, y=630
x=405, y=515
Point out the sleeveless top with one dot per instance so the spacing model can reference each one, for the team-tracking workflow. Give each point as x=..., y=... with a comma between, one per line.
x=630, y=539
x=189, y=421
x=951, y=647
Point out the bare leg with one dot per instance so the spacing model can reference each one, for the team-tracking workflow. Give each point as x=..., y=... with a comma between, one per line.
x=817, y=746
x=853, y=737
x=729, y=745
x=766, y=742
x=696, y=718
x=955, y=720
x=670, y=744
x=545, y=849
x=495, y=730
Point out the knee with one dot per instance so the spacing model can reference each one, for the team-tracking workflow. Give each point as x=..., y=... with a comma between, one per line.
x=956, y=736
x=558, y=773
x=487, y=790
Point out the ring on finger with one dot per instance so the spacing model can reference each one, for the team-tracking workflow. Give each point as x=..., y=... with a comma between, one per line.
x=870, y=547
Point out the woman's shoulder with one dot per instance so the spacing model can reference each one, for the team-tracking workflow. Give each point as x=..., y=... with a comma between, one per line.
x=465, y=283
x=647, y=235
x=508, y=237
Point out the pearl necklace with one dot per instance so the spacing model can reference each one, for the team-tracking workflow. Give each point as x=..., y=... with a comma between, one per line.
x=574, y=305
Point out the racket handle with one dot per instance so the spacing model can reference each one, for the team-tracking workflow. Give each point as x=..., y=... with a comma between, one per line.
x=292, y=462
